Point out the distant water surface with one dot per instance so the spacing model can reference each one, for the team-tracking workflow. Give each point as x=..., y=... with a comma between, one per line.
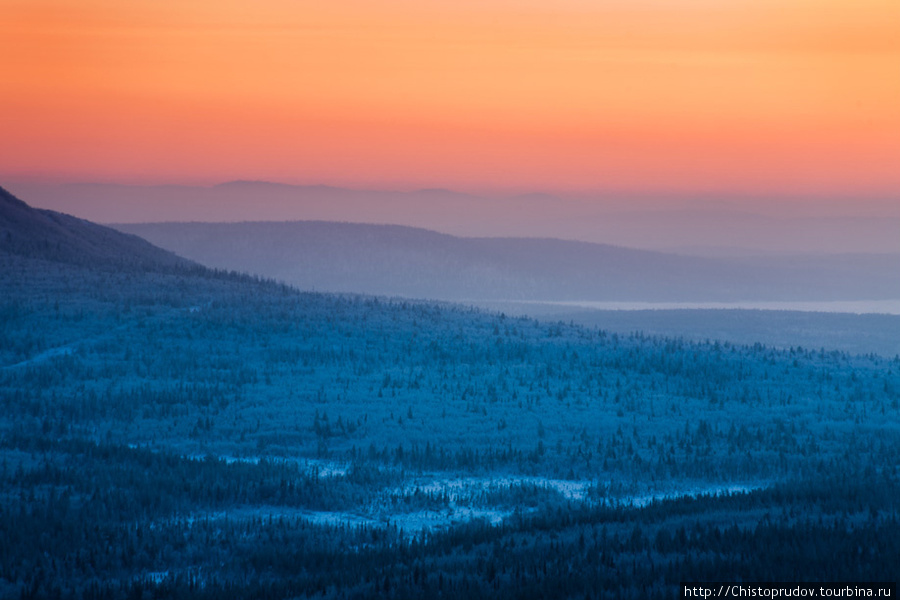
x=860, y=307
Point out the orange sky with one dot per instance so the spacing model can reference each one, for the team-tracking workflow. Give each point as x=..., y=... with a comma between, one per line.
x=748, y=96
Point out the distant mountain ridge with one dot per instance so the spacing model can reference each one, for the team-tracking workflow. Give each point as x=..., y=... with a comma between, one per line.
x=49, y=235
x=414, y=262
x=396, y=260
x=695, y=224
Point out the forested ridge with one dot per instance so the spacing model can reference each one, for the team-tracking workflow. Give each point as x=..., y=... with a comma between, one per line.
x=173, y=431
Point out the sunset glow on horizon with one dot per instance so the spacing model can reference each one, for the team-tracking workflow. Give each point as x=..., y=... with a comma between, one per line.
x=754, y=97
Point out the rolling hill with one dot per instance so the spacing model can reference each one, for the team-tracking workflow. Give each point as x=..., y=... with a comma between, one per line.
x=712, y=226
x=411, y=262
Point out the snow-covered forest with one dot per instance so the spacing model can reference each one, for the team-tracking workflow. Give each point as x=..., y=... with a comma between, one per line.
x=168, y=430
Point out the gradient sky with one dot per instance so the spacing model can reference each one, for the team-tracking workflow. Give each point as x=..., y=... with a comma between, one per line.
x=749, y=96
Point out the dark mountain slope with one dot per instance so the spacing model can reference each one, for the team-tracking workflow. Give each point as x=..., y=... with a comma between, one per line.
x=49, y=235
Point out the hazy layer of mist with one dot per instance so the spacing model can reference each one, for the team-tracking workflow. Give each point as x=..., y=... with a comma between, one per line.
x=701, y=226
